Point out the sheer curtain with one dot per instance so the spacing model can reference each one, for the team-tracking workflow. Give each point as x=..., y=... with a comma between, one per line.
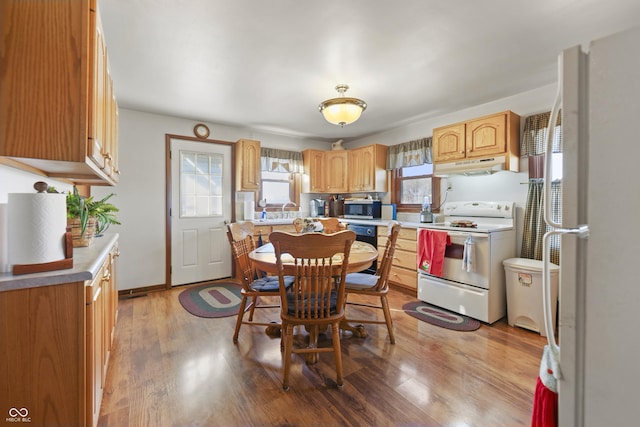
x=533, y=145
x=276, y=160
x=412, y=153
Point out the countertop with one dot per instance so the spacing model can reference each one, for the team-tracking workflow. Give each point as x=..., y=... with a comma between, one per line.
x=86, y=264
x=382, y=222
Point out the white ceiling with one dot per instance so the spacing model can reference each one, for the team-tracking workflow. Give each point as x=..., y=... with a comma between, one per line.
x=268, y=64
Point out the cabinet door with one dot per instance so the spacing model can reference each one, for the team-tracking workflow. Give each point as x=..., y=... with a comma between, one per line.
x=336, y=175
x=247, y=154
x=314, y=168
x=95, y=347
x=486, y=136
x=369, y=168
x=358, y=169
x=449, y=143
x=98, y=112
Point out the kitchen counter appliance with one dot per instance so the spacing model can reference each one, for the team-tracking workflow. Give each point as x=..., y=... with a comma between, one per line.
x=472, y=282
x=362, y=209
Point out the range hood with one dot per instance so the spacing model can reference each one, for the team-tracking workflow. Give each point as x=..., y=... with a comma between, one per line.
x=486, y=166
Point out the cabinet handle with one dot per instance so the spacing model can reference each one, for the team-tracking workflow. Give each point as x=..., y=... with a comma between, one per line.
x=106, y=156
x=106, y=277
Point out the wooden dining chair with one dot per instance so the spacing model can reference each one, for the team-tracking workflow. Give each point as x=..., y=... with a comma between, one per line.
x=375, y=285
x=331, y=225
x=254, y=285
x=239, y=230
x=315, y=299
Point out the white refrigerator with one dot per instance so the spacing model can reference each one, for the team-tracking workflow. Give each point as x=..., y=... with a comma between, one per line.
x=599, y=297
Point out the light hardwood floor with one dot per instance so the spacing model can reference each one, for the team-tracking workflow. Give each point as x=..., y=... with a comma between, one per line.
x=170, y=368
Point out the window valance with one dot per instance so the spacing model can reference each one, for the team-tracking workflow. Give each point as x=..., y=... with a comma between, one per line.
x=276, y=160
x=412, y=153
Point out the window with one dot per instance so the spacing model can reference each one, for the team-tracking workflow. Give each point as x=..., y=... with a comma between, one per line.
x=411, y=184
x=279, y=188
x=200, y=184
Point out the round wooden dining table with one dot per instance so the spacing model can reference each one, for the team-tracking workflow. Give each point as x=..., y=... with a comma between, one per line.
x=361, y=257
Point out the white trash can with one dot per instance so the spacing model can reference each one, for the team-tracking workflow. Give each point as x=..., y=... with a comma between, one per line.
x=524, y=293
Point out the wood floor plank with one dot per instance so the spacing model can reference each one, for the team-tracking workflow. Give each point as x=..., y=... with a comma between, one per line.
x=170, y=368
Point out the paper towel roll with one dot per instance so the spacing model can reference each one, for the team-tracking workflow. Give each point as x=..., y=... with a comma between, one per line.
x=249, y=210
x=37, y=224
x=4, y=240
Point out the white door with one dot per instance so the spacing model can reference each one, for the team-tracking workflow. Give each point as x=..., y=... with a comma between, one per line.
x=201, y=203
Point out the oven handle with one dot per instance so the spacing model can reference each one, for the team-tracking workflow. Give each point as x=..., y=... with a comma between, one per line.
x=463, y=234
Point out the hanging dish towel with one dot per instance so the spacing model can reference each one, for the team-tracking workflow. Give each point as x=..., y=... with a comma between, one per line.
x=431, y=247
x=545, y=399
x=467, y=255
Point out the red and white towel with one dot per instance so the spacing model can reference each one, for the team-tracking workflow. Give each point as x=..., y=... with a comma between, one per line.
x=545, y=399
x=431, y=247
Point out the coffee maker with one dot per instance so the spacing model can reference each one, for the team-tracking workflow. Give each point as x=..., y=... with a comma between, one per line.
x=318, y=207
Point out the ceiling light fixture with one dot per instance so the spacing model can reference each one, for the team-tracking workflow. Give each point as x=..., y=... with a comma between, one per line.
x=342, y=110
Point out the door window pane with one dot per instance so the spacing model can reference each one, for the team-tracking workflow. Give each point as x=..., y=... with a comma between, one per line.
x=200, y=184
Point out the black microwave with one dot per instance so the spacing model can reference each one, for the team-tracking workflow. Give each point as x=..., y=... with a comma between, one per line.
x=363, y=209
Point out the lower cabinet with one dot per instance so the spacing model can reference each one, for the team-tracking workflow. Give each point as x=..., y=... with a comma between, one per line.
x=101, y=315
x=404, y=272
x=261, y=232
x=56, y=341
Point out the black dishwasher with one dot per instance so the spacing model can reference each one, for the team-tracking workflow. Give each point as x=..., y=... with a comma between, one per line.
x=367, y=234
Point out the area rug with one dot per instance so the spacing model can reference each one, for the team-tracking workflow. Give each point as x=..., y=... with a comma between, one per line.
x=210, y=300
x=440, y=317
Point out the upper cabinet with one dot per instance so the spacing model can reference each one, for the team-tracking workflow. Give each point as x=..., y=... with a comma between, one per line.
x=346, y=171
x=247, y=153
x=497, y=134
x=327, y=171
x=314, y=169
x=336, y=166
x=57, y=102
x=367, y=169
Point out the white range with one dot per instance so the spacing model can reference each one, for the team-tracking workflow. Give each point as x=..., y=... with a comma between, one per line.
x=472, y=282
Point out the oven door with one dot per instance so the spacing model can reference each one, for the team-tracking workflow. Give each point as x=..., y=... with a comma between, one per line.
x=454, y=268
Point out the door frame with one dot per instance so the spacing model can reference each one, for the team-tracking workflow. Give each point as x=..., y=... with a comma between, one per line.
x=168, y=189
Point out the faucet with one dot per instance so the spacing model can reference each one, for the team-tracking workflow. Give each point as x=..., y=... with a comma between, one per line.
x=284, y=205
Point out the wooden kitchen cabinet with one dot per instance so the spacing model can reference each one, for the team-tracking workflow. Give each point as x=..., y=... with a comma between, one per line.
x=314, y=168
x=263, y=231
x=342, y=171
x=483, y=137
x=367, y=169
x=404, y=271
x=327, y=171
x=247, y=153
x=57, y=339
x=63, y=126
x=336, y=163
x=95, y=344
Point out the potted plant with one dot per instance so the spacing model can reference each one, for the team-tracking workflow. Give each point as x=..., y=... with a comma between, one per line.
x=88, y=217
x=103, y=212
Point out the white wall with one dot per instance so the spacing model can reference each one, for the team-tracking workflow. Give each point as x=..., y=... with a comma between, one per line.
x=140, y=193
x=14, y=180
